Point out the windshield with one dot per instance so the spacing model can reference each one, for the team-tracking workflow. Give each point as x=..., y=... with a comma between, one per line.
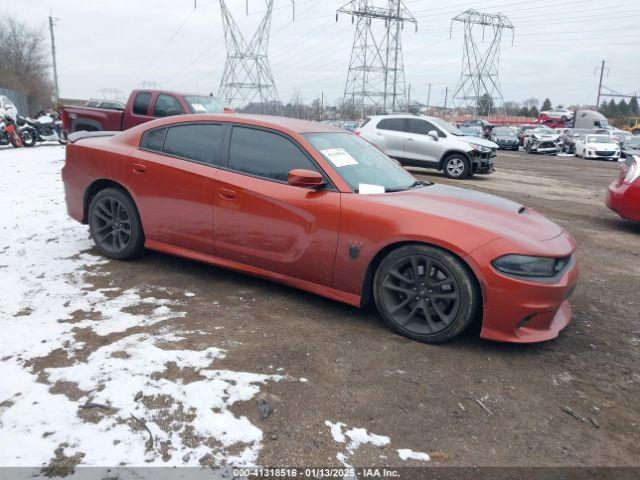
x=201, y=104
x=632, y=142
x=504, y=132
x=543, y=131
x=360, y=164
x=447, y=127
x=599, y=139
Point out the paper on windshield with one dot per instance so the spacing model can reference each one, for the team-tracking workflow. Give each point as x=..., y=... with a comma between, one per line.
x=199, y=108
x=367, y=189
x=339, y=157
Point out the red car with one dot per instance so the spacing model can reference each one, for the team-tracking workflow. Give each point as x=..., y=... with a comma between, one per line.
x=320, y=209
x=623, y=196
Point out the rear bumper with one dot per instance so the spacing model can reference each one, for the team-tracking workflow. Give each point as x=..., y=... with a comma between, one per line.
x=624, y=199
x=73, y=191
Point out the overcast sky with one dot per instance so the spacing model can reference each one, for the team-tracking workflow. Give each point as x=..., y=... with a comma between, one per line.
x=120, y=43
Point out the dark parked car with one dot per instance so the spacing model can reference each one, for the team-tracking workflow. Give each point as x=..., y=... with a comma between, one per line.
x=505, y=138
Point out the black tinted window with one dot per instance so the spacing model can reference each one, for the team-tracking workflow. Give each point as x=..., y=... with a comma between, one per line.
x=153, y=139
x=395, y=124
x=420, y=126
x=141, y=104
x=265, y=154
x=201, y=143
x=167, y=105
x=92, y=104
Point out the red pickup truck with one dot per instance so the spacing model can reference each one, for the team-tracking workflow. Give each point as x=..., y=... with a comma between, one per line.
x=142, y=106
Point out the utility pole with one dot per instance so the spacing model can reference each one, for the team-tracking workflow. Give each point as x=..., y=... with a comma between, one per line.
x=321, y=105
x=56, y=90
x=429, y=97
x=409, y=99
x=446, y=97
x=600, y=85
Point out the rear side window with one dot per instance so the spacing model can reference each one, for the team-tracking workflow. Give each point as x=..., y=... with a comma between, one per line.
x=201, y=143
x=92, y=104
x=393, y=124
x=153, y=140
x=265, y=154
x=141, y=103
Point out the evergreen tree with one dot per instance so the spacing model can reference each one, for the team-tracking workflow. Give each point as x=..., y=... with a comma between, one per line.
x=534, y=112
x=546, y=105
x=612, y=109
x=623, y=108
x=633, y=107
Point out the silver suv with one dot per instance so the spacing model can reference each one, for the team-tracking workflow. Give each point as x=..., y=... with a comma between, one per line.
x=429, y=142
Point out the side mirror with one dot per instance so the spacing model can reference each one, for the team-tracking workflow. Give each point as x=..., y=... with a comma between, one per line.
x=433, y=134
x=305, y=179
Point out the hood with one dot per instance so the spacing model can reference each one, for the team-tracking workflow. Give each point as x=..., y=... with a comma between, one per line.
x=546, y=137
x=603, y=146
x=478, y=141
x=497, y=215
x=504, y=138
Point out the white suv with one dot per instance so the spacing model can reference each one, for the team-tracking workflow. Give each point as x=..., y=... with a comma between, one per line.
x=7, y=107
x=429, y=142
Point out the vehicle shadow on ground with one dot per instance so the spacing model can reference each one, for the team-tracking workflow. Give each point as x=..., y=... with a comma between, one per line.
x=618, y=224
x=186, y=273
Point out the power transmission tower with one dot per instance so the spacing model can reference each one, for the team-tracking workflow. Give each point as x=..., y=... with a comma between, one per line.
x=56, y=89
x=376, y=81
x=479, y=78
x=247, y=73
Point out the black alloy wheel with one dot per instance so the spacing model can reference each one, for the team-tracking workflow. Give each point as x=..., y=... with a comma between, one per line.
x=115, y=225
x=425, y=293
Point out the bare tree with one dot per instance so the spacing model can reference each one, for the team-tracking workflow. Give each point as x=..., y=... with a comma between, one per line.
x=24, y=66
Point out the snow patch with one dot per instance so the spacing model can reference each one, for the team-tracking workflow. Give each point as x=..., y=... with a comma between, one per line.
x=408, y=454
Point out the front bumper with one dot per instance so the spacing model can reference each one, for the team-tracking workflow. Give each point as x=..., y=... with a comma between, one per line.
x=520, y=310
x=602, y=156
x=544, y=148
x=482, y=163
x=624, y=199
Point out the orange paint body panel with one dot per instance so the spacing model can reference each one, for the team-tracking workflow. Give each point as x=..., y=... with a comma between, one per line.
x=326, y=241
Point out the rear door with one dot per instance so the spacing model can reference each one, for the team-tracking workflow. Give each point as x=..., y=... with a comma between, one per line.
x=262, y=221
x=389, y=136
x=419, y=147
x=171, y=177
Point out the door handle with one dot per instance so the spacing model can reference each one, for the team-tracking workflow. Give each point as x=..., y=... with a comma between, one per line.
x=379, y=134
x=139, y=168
x=409, y=139
x=227, y=194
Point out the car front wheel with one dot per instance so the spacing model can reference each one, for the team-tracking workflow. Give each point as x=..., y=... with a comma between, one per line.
x=115, y=225
x=456, y=166
x=425, y=293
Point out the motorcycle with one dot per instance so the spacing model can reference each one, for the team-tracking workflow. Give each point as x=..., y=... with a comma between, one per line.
x=9, y=133
x=44, y=129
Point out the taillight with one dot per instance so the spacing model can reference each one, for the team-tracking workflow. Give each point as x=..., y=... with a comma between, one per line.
x=64, y=118
x=631, y=170
x=357, y=131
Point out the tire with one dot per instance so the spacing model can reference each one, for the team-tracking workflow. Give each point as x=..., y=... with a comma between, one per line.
x=527, y=148
x=125, y=239
x=28, y=138
x=440, y=305
x=456, y=166
x=564, y=118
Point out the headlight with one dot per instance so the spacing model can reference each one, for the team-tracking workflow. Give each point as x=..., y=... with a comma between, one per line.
x=634, y=171
x=480, y=148
x=526, y=266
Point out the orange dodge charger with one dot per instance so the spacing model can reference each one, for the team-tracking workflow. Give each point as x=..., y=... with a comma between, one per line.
x=320, y=209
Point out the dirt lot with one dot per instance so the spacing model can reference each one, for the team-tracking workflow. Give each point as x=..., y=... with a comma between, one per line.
x=469, y=402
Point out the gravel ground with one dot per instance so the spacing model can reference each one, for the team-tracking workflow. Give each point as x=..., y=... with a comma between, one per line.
x=354, y=393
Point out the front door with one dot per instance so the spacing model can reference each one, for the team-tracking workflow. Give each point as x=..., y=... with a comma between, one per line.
x=262, y=221
x=421, y=148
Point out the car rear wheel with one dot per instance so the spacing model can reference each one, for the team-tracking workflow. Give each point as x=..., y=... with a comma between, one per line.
x=425, y=293
x=456, y=166
x=115, y=225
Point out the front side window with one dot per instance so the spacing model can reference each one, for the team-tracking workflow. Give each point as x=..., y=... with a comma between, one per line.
x=265, y=154
x=201, y=142
x=92, y=104
x=358, y=162
x=141, y=103
x=393, y=124
x=419, y=126
x=167, y=105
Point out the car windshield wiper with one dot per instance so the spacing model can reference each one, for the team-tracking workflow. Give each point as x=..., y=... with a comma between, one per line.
x=415, y=184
